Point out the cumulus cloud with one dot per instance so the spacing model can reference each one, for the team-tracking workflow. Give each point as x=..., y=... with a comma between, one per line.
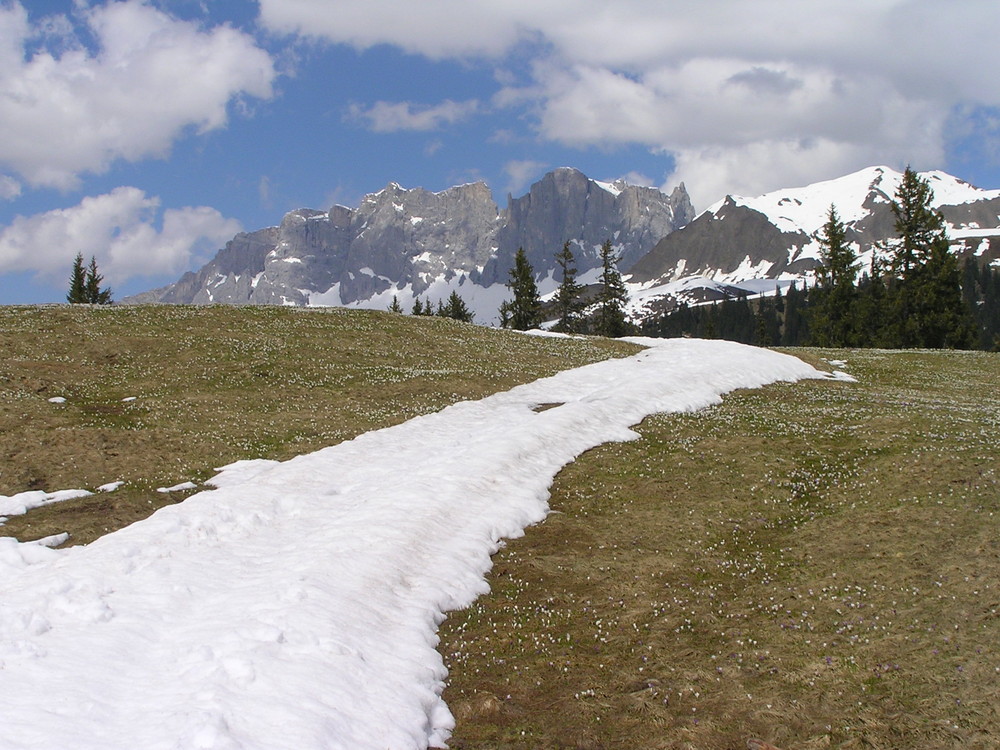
x=68, y=108
x=521, y=172
x=739, y=94
x=124, y=229
x=391, y=117
x=9, y=187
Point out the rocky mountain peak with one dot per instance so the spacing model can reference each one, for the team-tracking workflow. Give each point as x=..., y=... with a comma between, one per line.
x=409, y=242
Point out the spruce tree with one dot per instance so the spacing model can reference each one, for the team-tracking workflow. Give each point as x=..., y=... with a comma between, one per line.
x=610, y=320
x=567, y=302
x=95, y=294
x=418, y=307
x=77, y=282
x=395, y=306
x=525, y=310
x=456, y=309
x=926, y=293
x=871, y=310
x=833, y=300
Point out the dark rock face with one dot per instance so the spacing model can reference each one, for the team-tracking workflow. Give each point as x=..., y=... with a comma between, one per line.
x=735, y=241
x=725, y=239
x=404, y=240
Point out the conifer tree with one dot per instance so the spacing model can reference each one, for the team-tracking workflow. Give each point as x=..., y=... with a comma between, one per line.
x=395, y=306
x=926, y=294
x=77, y=282
x=456, y=309
x=525, y=310
x=567, y=302
x=833, y=299
x=95, y=294
x=85, y=284
x=610, y=320
x=418, y=307
x=871, y=309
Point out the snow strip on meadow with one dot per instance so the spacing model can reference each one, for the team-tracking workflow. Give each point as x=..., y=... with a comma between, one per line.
x=296, y=606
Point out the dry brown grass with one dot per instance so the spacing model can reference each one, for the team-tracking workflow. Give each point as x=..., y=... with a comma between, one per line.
x=816, y=565
x=214, y=385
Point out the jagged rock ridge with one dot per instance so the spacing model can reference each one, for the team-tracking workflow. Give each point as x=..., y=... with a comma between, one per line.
x=408, y=243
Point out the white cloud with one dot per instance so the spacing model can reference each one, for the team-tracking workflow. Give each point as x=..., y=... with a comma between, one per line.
x=68, y=110
x=437, y=29
x=118, y=228
x=390, y=117
x=522, y=172
x=789, y=89
x=9, y=187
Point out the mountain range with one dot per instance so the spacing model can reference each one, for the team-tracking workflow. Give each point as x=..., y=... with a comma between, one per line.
x=410, y=243
x=750, y=245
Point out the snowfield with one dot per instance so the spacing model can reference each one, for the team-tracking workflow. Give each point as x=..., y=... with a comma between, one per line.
x=296, y=605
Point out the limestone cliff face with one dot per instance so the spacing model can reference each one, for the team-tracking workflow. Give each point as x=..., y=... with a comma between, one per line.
x=567, y=205
x=403, y=242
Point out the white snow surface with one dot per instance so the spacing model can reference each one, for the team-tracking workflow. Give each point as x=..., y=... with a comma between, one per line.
x=806, y=208
x=296, y=606
x=22, y=502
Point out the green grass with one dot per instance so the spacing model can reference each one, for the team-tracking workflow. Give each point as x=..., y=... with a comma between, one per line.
x=815, y=564
x=212, y=385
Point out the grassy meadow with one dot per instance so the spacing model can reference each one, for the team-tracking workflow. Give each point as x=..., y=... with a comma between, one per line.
x=813, y=564
x=816, y=565
x=161, y=395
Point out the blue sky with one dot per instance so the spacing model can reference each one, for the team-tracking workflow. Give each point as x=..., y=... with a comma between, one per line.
x=148, y=133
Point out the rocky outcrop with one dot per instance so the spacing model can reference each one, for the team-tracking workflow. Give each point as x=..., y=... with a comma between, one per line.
x=773, y=236
x=414, y=242
x=566, y=205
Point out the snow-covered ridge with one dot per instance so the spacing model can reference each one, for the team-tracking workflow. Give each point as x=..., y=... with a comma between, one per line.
x=805, y=208
x=296, y=606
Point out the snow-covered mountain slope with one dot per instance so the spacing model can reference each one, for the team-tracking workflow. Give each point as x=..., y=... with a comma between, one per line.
x=748, y=242
x=414, y=243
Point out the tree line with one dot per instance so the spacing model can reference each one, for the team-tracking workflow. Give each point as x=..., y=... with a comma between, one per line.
x=573, y=309
x=915, y=295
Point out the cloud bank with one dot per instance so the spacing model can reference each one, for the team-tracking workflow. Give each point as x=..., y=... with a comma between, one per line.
x=124, y=229
x=114, y=82
x=745, y=97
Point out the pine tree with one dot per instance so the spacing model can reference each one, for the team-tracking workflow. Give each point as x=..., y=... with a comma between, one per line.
x=567, y=302
x=610, y=320
x=77, y=282
x=395, y=306
x=456, y=309
x=926, y=293
x=525, y=310
x=833, y=300
x=95, y=294
x=945, y=321
x=794, y=330
x=418, y=307
x=871, y=310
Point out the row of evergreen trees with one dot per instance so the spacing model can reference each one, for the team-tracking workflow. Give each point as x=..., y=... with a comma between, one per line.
x=85, y=284
x=602, y=313
x=569, y=306
x=915, y=294
x=454, y=308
